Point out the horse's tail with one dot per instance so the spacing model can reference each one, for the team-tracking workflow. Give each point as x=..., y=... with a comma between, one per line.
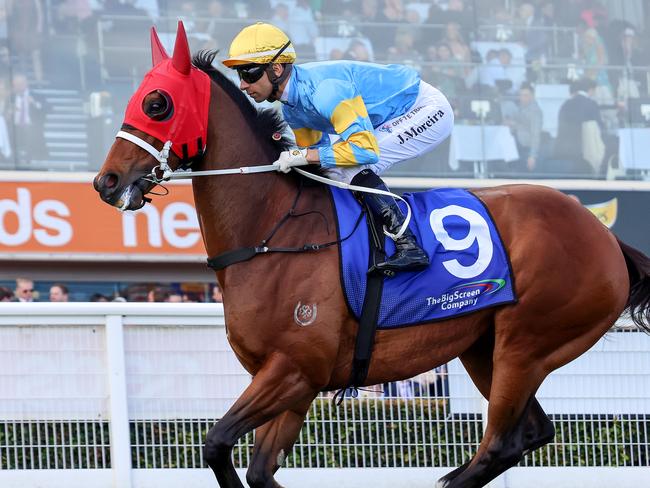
x=638, y=303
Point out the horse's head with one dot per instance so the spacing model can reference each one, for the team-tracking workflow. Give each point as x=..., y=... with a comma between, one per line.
x=169, y=110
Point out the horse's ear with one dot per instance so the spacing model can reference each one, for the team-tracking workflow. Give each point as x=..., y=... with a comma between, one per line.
x=158, y=52
x=181, y=60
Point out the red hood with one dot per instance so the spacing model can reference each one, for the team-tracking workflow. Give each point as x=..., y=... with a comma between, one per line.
x=189, y=89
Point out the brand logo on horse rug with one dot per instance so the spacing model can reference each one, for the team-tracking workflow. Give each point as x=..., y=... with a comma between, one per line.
x=469, y=268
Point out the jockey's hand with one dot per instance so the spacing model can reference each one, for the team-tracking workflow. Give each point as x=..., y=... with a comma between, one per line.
x=293, y=157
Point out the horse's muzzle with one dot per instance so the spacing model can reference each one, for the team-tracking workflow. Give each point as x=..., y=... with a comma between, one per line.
x=129, y=197
x=107, y=185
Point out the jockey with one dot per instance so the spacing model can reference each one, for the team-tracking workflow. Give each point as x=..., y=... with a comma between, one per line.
x=354, y=119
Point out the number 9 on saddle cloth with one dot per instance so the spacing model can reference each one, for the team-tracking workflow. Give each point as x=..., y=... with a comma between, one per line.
x=469, y=268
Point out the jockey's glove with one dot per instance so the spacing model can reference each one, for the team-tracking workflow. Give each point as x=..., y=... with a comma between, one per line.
x=293, y=157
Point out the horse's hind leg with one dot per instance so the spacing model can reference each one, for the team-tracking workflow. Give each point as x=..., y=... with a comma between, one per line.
x=502, y=446
x=277, y=387
x=273, y=442
x=536, y=429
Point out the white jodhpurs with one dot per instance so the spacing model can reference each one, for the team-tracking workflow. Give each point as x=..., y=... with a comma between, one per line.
x=425, y=125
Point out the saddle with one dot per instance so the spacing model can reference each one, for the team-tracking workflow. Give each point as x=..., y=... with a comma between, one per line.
x=469, y=268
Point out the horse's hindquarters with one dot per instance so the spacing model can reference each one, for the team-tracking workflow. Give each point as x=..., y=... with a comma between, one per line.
x=569, y=272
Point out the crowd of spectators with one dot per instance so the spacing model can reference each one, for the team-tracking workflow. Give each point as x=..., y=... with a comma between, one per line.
x=26, y=291
x=494, y=50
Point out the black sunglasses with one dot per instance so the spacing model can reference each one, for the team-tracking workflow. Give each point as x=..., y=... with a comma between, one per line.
x=251, y=73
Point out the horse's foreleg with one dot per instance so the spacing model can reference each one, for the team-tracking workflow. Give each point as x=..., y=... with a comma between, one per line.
x=273, y=442
x=277, y=387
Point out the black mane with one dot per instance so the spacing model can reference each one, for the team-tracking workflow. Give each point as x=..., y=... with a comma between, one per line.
x=265, y=122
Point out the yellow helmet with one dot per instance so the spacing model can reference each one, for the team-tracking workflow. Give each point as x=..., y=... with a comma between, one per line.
x=259, y=43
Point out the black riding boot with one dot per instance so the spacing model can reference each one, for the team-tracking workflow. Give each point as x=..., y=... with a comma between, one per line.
x=408, y=256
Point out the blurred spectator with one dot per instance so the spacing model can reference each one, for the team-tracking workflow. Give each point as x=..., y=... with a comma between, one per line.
x=370, y=14
x=402, y=389
x=456, y=42
x=390, y=12
x=532, y=34
x=433, y=384
x=404, y=49
x=547, y=14
x=59, y=293
x=594, y=56
x=6, y=295
x=5, y=138
x=173, y=297
x=336, y=54
x=579, y=147
x=563, y=45
x=502, y=22
x=164, y=294
x=357, y=51
x=98, y=297
x=457, y=12
x=280, y=18
x=26, y=29
x=299, y=25
x=302, y=28
x=445, y=74
x=412, y=15
x=28, y=121
x=499, y=73
x=393, y=10
x=217, y=295
x=526, y=126
x=630, y=82
x=593, y=13
x=24, y=291
x=215, y=25
x=158, y=294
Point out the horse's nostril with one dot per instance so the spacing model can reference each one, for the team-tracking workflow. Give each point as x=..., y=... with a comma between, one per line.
x=110, y=180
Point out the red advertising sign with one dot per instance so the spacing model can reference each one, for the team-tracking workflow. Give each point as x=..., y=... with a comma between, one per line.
x=67, y=219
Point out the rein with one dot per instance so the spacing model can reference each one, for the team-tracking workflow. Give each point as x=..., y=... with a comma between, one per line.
x=169, y=174
x=245, y=253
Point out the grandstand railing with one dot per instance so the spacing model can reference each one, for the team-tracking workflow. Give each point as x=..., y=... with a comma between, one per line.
x=122, y=395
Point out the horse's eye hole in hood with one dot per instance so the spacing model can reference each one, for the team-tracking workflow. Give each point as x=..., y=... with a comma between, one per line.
x=158, y=105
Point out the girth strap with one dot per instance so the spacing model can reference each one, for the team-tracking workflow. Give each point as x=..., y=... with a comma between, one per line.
x=365, y=340
x=246, y=253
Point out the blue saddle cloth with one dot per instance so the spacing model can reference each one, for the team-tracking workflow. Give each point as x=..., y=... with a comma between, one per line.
x=469, y=267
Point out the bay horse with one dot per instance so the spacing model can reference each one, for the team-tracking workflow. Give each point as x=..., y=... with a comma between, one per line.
x=573, y=279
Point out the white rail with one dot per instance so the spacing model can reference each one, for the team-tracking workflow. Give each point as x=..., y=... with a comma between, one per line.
x=120, y=395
